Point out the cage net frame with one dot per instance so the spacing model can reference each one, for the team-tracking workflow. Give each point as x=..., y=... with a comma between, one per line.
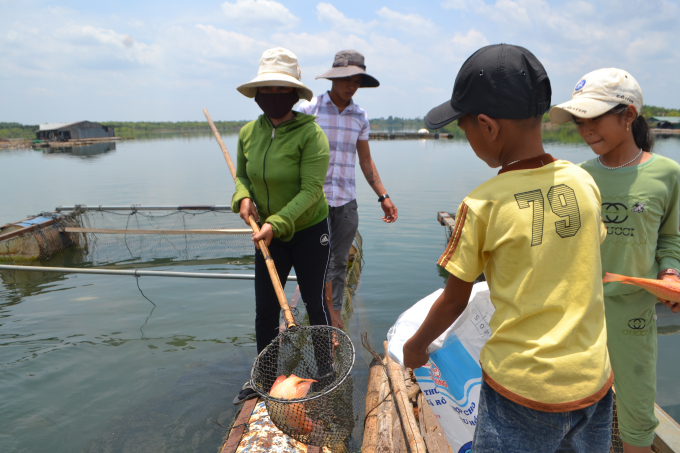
x=47, y=240
x=325, y=416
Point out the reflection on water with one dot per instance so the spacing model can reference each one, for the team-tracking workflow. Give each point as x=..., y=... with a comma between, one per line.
x=83, y=151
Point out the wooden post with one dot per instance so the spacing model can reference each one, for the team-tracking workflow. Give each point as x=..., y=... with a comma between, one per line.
x=383, y=441
x=376, y=375
x=415, y=441
x=432, y=432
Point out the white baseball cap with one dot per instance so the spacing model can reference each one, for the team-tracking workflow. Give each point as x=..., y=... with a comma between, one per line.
x=598, y=92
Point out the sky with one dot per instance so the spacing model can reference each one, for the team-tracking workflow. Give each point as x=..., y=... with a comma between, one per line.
x=152, y=60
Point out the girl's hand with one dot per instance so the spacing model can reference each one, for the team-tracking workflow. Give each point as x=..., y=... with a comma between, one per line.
x=246, y=209
x=674, y=306
x=266, y=233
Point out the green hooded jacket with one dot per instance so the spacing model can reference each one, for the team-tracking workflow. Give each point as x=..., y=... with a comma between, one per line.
x=283, y=170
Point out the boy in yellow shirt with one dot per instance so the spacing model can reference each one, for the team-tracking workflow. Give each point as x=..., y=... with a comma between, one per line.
x=535, y=231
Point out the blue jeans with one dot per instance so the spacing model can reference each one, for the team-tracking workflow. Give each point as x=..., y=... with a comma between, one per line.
x=506, y=427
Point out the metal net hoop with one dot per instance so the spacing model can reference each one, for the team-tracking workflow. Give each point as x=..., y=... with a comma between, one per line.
x=325, y=416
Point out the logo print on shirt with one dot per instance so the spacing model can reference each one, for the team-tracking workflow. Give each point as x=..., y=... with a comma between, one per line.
x=639, y=207
x=615, y=212
x=467, y=448
x=324, y=239
x=637, y=323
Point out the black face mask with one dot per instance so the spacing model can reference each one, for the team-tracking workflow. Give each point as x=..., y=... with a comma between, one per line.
x=277, y=105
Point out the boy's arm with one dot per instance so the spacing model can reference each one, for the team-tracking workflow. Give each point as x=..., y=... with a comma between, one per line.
x=373, y=178
x=446, y=309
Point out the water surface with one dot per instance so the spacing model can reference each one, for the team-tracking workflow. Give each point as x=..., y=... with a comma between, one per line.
x=88, y=364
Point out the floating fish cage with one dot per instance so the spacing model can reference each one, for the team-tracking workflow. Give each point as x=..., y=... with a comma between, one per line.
x=94, y=236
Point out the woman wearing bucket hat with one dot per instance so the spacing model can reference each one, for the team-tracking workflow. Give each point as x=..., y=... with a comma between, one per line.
x=282, y=159
x=346, y=125
x=640, y=206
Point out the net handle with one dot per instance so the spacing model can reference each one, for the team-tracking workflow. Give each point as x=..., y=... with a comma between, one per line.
x=287, y=314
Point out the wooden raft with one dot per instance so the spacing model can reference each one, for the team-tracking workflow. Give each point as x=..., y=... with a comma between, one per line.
x=397, y=417
x=254, y=432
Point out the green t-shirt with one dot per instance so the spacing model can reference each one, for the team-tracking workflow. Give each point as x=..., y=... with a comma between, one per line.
x=641, y=212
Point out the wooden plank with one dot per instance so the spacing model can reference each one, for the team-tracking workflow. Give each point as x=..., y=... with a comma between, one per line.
x=182, y=232
x=376, y=375
x=23, y=231
x=446, y=219
x=413, y=438
x=667, y=434
x=236, y=433
x=431, y=430
x=398, y=435
x=383, y=442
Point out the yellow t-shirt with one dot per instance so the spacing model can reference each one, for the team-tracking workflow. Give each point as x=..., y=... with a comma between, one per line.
x=536, y=234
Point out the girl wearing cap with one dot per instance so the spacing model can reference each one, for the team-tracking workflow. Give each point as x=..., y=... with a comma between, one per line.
x=640, y=195
x=282, y=159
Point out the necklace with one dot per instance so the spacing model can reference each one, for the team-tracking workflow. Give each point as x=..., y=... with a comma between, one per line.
x=599, y=159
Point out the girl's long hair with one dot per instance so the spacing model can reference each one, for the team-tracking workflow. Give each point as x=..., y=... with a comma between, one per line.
x=644, y=139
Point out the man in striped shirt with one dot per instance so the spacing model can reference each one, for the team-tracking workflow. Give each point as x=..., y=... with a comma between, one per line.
x=346, y=126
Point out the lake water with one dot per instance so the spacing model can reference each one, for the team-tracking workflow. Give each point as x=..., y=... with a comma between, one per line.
x=86, y=365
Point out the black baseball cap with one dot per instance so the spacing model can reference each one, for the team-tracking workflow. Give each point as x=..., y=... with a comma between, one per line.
x=501, y=81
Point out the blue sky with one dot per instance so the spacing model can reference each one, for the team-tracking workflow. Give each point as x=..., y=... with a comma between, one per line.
x=166, y=61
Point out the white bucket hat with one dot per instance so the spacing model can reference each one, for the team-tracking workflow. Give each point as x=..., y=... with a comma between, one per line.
x=598, y=92
x=278, y=67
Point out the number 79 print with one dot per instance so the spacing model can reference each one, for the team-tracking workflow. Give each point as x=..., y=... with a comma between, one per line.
x=563, y=203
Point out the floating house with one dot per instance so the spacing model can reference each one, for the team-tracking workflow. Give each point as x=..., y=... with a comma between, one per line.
x=665, y=122
x=73, y=131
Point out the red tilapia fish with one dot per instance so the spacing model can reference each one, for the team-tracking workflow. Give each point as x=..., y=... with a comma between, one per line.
x=289, y=388
x=663, y=289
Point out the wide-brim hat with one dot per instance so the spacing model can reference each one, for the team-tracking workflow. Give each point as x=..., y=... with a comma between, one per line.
x=349, y=63
x=278, y=67
x=597, y=93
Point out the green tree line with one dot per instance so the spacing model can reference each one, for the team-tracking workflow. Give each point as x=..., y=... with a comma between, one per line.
x=148, y=129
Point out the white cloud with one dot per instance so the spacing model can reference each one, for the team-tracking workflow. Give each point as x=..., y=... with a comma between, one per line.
x=262, y=14
x=329, y=14
x=459, y=4
x=322, y=45
x=411, y=23
x=470, y=42
x=228, y=43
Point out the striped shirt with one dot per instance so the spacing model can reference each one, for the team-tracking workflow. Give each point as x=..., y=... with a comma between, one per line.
x=343, y=130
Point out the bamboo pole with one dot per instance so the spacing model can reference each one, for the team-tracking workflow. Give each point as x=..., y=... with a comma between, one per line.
x=283, y=302
x=182, y=232
x=138, y=207
x=376, y=376
x=383, y=441
x=413, y=437
x=132, y=273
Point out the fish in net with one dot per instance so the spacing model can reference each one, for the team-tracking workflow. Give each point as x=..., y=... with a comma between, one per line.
x=324, y=354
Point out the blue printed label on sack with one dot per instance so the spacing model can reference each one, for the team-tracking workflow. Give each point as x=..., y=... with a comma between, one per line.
x=467, y=448
x=580, y=85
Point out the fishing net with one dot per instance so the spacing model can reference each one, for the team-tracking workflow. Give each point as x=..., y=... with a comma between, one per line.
x=127, y=236
x=325, y=416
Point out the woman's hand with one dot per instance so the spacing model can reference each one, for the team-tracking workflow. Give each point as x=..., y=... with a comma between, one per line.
x=674, y=306
x=246, y=209
x=266, y=233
